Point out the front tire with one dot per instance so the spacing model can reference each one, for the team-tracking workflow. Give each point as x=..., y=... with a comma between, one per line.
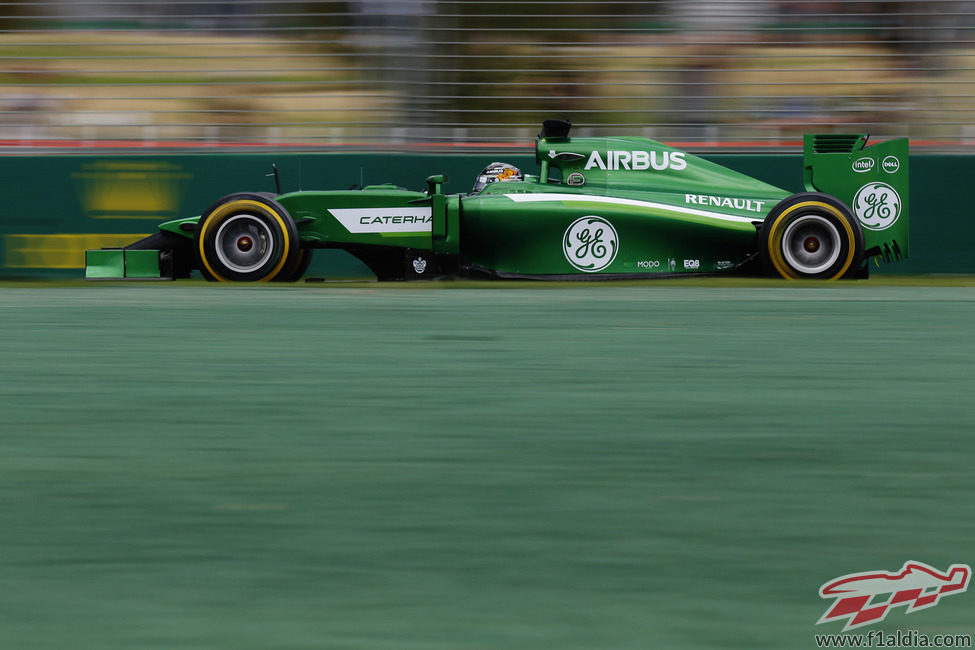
x=247, y=238
x=811, y=236
x=304, y=261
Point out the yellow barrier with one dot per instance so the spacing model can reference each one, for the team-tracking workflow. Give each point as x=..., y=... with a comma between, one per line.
x=57, y=251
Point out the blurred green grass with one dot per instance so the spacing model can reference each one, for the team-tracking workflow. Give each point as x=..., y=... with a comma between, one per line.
x=652, y=465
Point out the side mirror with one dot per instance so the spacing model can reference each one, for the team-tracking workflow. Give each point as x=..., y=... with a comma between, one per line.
x=435, y=184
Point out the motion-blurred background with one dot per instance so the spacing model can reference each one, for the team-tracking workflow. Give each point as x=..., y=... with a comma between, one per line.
x=427, y=73
x=540, y=467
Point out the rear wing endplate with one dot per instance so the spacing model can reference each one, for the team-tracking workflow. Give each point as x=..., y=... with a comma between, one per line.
x=872, y=181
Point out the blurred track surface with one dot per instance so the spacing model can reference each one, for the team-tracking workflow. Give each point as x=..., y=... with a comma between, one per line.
x=585, y=467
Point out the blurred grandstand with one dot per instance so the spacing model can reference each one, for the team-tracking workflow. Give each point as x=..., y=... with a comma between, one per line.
x=410, y=74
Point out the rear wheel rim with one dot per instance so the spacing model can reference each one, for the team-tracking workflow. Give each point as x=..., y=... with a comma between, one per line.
x=811, y=244
x=244, y=243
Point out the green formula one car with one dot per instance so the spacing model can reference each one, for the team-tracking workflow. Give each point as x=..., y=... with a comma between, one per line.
x=599, y=208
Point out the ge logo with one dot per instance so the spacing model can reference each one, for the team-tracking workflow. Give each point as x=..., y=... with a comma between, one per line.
x=590, y=244
x=877, y=206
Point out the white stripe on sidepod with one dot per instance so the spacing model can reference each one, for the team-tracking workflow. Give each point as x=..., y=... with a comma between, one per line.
x=380, y=220
x=590, y=198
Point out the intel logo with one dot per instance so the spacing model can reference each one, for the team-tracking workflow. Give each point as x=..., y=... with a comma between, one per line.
x=861, y=165
x=890, y=164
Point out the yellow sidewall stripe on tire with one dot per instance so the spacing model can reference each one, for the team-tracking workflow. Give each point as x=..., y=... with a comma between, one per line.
x=775, y=240
x=222, y=211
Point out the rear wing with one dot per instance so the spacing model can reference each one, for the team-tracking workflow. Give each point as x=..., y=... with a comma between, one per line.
x=872, y=181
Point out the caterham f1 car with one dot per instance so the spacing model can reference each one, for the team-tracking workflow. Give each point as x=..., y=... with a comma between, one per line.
x=599, y=208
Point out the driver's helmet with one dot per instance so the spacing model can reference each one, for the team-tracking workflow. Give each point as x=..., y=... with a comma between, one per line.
x=496, y=171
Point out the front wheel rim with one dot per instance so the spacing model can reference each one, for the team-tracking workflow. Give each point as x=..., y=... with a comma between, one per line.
x=811, y=244
x=244, y=243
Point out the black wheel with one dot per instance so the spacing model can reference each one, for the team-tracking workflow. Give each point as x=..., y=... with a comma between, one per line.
x=811, y=235
x=247, y=238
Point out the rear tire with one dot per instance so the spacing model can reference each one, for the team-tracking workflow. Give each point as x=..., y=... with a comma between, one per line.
x=247, y=238
x=811, y=236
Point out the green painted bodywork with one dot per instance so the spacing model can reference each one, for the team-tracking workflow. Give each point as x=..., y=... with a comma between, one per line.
x=315, y=211
x=831, y=169
x=121, y=263
x=597, y=207
x=101, y=264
